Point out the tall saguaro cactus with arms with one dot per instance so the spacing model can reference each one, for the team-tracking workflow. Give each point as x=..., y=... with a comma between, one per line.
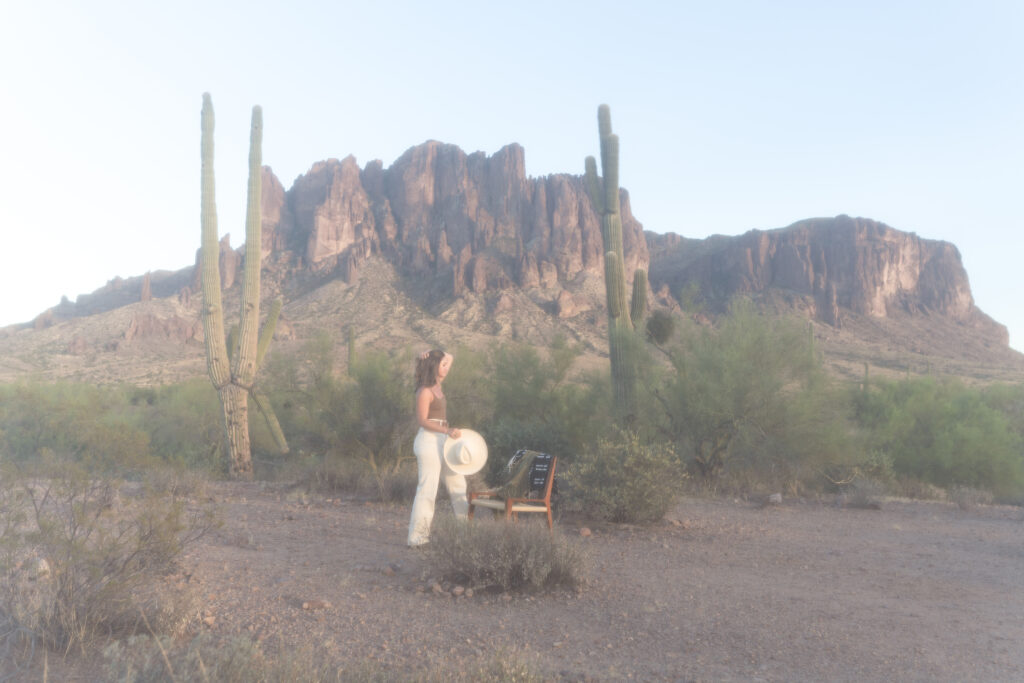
x=234, y=375
x=623, y=314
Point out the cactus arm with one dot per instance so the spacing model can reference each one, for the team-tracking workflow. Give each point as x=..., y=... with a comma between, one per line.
x=267, y=411
x=243, y=364
x=638, y=304
x=217, y=363
x=268, y=330
x=593, y=183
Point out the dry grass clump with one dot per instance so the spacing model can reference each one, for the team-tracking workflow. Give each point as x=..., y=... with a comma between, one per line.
x=863, y=493
x=334, y=474
x=501, y=556
x=79, y=561
x=967, y=498
x=145, y=659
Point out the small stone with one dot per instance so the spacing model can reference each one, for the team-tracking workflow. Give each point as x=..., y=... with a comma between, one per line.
x=774, y=499
x=469, y=592
x=585, y=532
x=42, y=568
x=210, y=620
x=458, y=590
x=436, y=588
x=387, y=571
x=315, y=605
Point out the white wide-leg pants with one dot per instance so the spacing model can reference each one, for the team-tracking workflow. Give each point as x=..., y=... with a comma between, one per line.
x=429, y=449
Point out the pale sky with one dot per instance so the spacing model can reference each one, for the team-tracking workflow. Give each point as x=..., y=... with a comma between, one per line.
x=732, y=115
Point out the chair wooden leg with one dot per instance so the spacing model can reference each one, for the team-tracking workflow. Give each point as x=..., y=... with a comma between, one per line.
x=550, y=522
x=470, y=513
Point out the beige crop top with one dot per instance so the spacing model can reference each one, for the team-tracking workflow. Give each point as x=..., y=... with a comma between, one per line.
x=438, y=408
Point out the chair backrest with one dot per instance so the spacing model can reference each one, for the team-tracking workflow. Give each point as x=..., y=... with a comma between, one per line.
x=542, y=474
x=528, y=474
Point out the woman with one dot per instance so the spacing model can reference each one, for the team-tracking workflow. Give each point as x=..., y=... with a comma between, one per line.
x=431, y=415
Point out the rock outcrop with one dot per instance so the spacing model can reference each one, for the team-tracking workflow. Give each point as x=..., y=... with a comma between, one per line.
x=457, y=224
x=838, y=263
x=473, y=222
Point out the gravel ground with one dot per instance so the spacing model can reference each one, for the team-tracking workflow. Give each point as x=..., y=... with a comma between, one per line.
x=720, y=590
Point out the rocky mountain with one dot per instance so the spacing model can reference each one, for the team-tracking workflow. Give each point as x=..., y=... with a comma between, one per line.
x=444, y=245
x=838, y=265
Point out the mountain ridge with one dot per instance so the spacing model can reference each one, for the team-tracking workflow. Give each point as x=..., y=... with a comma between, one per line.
x=471, y=237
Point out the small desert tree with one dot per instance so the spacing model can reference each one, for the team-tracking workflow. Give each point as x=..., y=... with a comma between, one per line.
x=748, y=381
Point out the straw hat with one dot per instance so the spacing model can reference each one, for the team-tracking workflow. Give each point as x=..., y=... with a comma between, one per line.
x=466, y=454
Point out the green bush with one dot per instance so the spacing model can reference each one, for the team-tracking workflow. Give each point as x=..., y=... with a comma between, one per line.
x=185, y=425
x=626, y=479
x=944, y=433
x=358, y=425
x=81, y=558
x=82, y=422
x=751, y=394
x=504, y=556
x=120, y=430
x=535, y=404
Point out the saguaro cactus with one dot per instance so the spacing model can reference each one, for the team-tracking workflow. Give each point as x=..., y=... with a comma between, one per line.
x=622, y=315
x=234, y=375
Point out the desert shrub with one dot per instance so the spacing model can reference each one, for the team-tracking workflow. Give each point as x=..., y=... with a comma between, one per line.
x=376, y=416
x=626, y=479
x=535, y=405
x=864, y=493
x=82, y=422
x=752, y=387
x=501, y=556
x=660, y=326
x=915, y=489
x=944, y=433
x=364, y=417
x=81, y=560
x=117, y=429
x=185, y=424
x=967, y=497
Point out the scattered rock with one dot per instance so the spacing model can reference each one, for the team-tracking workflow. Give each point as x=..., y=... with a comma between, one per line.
x=458, y=590
x=585, y=532
x=315, y=605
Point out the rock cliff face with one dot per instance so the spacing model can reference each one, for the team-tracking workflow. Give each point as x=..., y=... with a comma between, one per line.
x=460, y=224
x=837, y=263
x=472, y=221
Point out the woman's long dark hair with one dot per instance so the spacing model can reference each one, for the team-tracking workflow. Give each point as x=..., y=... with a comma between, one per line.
x=426, y=368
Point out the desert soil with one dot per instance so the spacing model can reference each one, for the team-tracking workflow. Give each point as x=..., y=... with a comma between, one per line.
x=720, y=590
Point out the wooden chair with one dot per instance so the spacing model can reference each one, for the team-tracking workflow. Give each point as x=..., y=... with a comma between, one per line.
x=513, y=506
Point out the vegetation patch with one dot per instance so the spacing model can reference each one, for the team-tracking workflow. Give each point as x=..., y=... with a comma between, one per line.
x=502, y=556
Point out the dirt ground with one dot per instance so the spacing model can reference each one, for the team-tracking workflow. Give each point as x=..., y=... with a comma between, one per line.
x=720, y=590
